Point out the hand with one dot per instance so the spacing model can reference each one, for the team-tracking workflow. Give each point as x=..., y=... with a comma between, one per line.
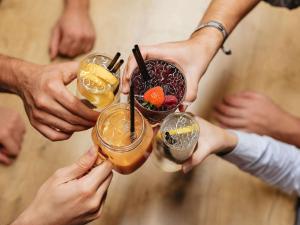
x=73, y=34
x=251, y=112
x=74, y=195
x=192, y=56
x=12, y=131
x=212, y=140
x=51, y=108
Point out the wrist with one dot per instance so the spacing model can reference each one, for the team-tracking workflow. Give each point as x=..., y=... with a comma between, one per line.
x=288, y=129
x=230, y=141
x=81, y=6
x=11, y=73
x=209, y=38
x=26, y=218
x=24, y=74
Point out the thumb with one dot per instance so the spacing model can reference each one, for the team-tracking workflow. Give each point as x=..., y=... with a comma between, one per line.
x=54, y=42
x=81, y=166
x=70, y=70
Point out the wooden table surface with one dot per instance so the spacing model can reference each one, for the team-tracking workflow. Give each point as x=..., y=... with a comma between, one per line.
x=265, y=58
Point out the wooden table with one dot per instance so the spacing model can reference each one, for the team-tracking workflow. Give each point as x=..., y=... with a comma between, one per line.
x=265, y=58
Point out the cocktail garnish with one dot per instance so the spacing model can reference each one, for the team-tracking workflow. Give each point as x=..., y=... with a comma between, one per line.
x=155, y=96
x=104, y=74
x=169, y=139
x=184, y=130
x=148, y=105
x=170, y=100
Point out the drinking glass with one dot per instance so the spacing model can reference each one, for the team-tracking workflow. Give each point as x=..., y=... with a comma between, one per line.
x=162, y=74
x=112, y=135
x=175, y=141
x=97, y=87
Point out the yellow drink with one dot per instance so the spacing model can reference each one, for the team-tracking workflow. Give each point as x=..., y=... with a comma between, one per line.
x=112, y=135
x=97, y=87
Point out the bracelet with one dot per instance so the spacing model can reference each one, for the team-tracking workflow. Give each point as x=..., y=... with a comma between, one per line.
x=219, y=27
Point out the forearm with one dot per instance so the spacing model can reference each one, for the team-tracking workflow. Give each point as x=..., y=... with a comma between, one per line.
x=11, y=72
x=287, y=130
x=272, y=161
x=229, y=13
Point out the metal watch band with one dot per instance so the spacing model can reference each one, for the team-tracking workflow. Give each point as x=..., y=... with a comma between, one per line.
x=219, y=27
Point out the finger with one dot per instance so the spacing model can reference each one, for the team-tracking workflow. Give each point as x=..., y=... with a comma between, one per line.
x=74, y=105
x=250, y=94
x=229, y=122
x=51, y=133
x=101, y=195
x=10, y=146
x=81, y=166
x=5, y=159
x=64, y=45
x=55, y=122
x=196, y=159
x=75, y=48
x=54, y=42
x=97, y=175
x=70, y=70
x=228, y=110
x=236, y=101
x=59, y=111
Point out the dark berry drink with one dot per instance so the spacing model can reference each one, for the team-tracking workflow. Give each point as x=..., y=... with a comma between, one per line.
x=162, y=93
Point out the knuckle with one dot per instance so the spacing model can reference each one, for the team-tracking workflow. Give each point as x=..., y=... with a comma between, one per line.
x=36, y=115
x=41, y=103
x=85, y=190
x=93, y=205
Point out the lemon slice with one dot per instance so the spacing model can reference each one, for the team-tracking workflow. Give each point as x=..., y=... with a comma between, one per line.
x=184, y=130
x=93, y=82
x=104, y=74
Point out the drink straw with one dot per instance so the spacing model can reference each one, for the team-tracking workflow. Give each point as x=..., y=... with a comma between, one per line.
x=117, y=66
x=132, y=129
x=141, y=63
x=113, y=61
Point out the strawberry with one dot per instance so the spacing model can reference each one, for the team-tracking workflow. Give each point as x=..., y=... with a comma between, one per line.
x=170, y=100
x=155, y=96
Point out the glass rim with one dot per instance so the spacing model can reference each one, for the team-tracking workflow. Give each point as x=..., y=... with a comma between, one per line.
x=120, y=149
x=183, y=97
x=165, y=121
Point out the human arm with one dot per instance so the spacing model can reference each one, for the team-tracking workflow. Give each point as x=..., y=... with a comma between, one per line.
x=73, y=195
x=256, y=113
x=74, y=32
x=12, y=131
x=53, y=110
x=272, y=161
x=195, y=54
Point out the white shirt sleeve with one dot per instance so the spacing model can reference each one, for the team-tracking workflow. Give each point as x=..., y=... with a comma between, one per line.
x=273, y=161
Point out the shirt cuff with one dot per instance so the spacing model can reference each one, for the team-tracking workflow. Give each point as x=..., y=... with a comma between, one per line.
x=248, y=149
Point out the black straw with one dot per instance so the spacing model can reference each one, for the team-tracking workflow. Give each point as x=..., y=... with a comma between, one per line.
x=141, y=63
x=117, y=66
x=113, y=61
x=132, y=128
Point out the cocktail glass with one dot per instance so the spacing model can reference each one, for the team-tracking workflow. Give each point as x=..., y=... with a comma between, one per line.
x=112, y=135
x=97, y=87
x=165, y=75
x=175, y=141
